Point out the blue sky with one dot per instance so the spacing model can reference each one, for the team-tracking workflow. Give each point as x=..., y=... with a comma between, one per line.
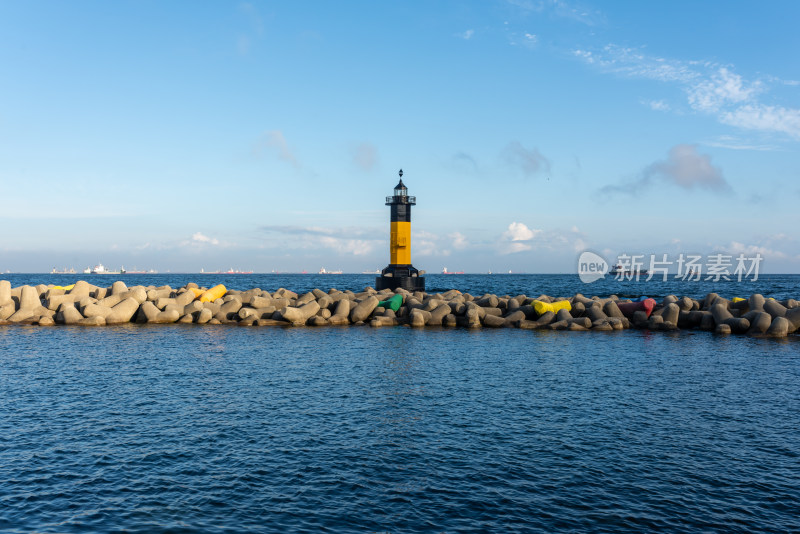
x=264, y=135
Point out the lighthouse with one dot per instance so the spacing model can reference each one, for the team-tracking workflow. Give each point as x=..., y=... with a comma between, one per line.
x=400, y=272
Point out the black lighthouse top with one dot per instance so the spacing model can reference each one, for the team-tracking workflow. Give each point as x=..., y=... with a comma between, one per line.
x=401, y=194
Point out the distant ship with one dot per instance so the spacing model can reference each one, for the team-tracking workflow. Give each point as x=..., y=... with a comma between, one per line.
x=64, y=271
x=229, y=271
x=100, y=269
x=445, y=271
x=376, y=271
x=323, y=271
x=620, y=270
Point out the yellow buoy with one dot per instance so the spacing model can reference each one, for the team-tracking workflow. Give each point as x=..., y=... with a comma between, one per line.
x=544, y=307
x=213, y=294
x=197, y=291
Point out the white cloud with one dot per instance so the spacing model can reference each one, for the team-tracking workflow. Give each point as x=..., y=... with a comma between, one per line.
x=710, y=88
x=356, y=247
x=735, y=248
x=764, y=118
x=684, y=167
x=467, y=35
x=353, y=241
x=658, y=105
x=518, y=237
x=722, y=88
x=732, y=143
x=560, y=8
x=198, y=237
x=459, y=240
x=518, y=231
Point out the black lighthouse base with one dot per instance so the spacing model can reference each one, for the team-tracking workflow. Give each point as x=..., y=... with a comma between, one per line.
x=403, y=276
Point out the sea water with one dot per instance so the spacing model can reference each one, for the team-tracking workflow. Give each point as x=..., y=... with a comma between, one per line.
x=186, y=428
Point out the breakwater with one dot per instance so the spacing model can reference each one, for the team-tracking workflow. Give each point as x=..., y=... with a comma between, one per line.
x=89, y=305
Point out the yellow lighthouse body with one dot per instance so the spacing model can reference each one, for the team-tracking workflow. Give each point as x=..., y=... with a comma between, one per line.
x=400, y=243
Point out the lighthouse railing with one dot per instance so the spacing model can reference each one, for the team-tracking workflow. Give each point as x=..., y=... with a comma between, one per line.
x=403, y=199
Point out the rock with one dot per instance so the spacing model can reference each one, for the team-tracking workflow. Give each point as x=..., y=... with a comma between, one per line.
x=184, y=298
x=5, y=293
x=123, y=312
x=450, y=320
x=759, y=322
x=793, y=316
x=493, y=321
x=383, y=321
x=585, y=322
x=80, y=290
x=111, y=301
x=707, y=322
x=29, y=298
x=671, y=313
x=686, y=304
x=488, y=301
x=779, y=327
x=595, y=312
x=438, y=314
x=68, y=314
x=192, y=307
x=774, y=308
x=341, y=313
x=118, y=287
x=563, y=315
x=363, y=309
x=472, y=318
x=96, y=310
x=186, y=318
x=739, y=325
x=147, y=312
x=270, y=322
x=722, y=329
x=46, y=321
x=7, y=311
x=317, y=320
x=165, y=317
x=640, y=319
x=720, y=313
x=299, y=316
x=203, y=316
x=602, y=325
x=92, y=321
x=418, y=318
x=305, y=299
x=756, y=302
x=515, y=317
x=709, y=300
x=612, y=310
x=655, y=322
x=545, y=319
